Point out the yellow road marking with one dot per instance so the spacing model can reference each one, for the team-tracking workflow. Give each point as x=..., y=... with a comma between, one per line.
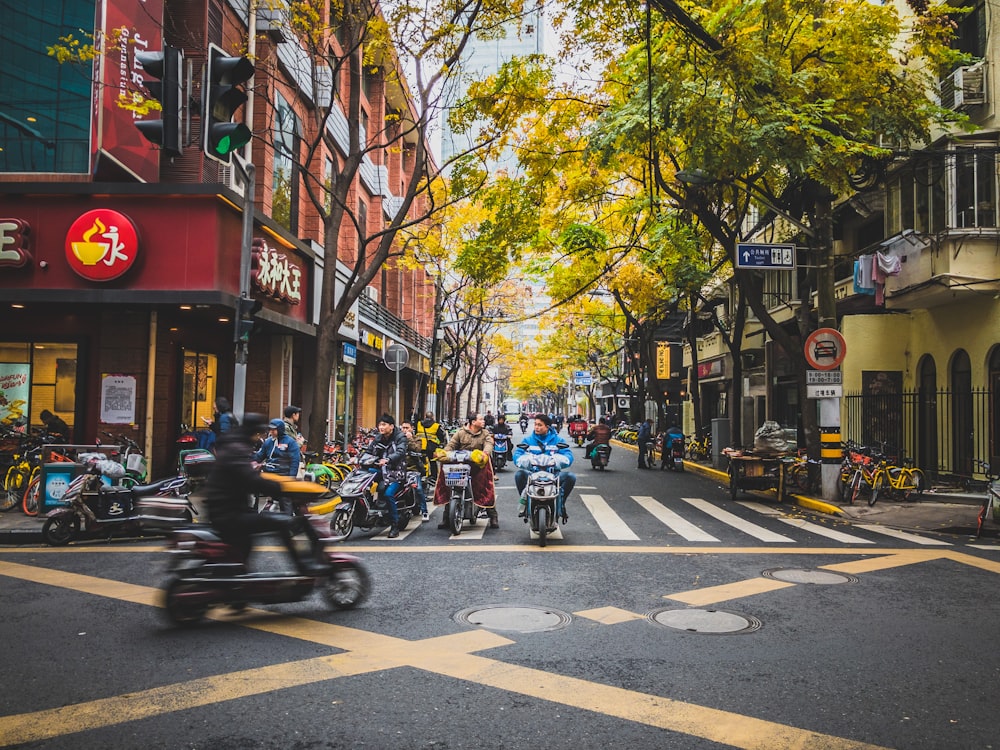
x=449, y=655
x=727, y=591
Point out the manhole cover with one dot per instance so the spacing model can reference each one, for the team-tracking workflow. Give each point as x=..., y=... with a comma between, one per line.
x=521, y=619
x=712, y=621
x=807, y=575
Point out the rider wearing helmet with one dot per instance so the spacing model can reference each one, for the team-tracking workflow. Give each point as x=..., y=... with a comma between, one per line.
x=227, y=491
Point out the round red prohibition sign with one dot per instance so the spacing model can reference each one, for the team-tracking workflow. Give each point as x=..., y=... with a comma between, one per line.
x=825, y=349
x=101, y=245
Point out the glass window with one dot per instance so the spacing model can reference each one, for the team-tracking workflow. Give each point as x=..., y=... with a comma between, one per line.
x=198, y=396
x=285, y=176
x=44, y=105
x=37, y=377
x=975, y=188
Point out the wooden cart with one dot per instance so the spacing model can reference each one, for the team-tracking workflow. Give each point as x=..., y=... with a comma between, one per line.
x=750, y=472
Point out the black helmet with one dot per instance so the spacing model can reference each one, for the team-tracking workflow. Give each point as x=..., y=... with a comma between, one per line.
x=254, y=424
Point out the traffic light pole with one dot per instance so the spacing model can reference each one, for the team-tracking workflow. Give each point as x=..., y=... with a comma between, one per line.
x=245, y=170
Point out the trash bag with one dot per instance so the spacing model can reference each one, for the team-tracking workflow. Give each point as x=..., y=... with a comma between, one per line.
x=770, y=439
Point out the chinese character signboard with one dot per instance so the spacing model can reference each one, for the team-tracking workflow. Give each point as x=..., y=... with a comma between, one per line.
x=101, y=245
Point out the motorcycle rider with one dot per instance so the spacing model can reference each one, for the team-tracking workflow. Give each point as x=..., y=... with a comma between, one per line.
x=502, y=428
x=476, y=438
x=542, y=437
x=432, y=436
x=280, y=454
x=390, y=448
x=417, y=463
x=600, y=434
x=227, y=490
x=673, y=432
x=643, y=439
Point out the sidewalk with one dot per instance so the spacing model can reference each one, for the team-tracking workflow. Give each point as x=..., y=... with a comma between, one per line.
x=941, y=512
x=935, y=511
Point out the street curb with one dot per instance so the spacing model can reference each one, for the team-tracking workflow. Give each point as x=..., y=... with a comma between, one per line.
x=13, y=537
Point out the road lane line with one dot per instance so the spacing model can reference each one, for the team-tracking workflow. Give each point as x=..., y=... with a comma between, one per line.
x=667, y=517
x=897, y=534
x=716, y=725
x=447, y=655
x=728, y=591
x=611, y=524
x=815, y=528
x=741, y=524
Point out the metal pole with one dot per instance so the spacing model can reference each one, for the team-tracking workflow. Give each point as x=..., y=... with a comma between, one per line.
x=245, y=170
x=347, y=407
x=396, y=404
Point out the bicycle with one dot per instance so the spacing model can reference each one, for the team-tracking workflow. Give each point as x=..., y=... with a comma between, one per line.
x=990, y=509
x=25, y=467
x=698, y=449
x=883, y=478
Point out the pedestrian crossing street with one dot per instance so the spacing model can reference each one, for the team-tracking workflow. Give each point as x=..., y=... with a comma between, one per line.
x=694, y=520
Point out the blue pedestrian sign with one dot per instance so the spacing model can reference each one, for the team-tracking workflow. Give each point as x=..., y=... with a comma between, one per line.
x=350, y=354
x=765, y=257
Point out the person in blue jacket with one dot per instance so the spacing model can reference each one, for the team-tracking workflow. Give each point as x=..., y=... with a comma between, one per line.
x=280, y=454
x=543, y=436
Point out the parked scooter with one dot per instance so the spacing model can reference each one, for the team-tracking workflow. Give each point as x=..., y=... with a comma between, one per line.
x=357, y=500
x=206, y=572
x=600, y=454
x=98, y=510
x=672, y=455
x=544, y=492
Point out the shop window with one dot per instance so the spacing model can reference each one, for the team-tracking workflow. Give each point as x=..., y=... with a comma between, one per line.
x=35, y=377
x=198, y=397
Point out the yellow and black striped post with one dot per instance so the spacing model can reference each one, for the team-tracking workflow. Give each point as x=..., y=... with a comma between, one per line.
x=830, y=450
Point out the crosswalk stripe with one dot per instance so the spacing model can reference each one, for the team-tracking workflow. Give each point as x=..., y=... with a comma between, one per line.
x=897, y=534
x=667, y=517
x=747, y=527
x=610, y=522
x=766, y=510
x=815, y=528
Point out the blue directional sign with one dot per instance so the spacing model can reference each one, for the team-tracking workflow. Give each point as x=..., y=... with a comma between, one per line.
x=752, y=255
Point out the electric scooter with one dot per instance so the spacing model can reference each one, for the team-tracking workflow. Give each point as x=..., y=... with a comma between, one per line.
x=206, y=572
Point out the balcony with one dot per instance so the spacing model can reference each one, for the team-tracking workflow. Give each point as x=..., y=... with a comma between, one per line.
x=959, y=266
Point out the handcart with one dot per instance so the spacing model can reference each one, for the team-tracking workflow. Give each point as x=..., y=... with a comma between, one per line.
x=753, y=472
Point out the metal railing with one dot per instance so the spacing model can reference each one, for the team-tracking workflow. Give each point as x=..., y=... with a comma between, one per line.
x=944, y=432
x=372, y=312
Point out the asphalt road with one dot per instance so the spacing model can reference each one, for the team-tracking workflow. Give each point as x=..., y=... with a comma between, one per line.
x=700, y=630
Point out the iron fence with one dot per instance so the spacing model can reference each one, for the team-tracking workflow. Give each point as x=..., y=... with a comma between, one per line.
x=945, y=432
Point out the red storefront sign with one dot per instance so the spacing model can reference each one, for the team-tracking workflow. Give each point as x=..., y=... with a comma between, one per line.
x=101, y=245
x=710, y=369
x=14, y=243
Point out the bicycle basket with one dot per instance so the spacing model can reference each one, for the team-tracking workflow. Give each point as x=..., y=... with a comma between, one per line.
x=136, y=462
x=456, y=475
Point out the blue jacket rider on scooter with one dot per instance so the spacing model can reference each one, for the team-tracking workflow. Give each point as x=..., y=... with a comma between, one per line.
x=227, y=491
x=541, y=438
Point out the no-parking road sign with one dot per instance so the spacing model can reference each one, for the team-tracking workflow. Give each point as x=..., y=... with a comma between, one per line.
x=825, y=349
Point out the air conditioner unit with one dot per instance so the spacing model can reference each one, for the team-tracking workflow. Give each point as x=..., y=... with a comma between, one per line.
x=964, y=87
x=372, y=293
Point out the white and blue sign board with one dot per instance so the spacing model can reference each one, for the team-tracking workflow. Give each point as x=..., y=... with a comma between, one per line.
x=765, y=256
x=350, y=354
x=582, y=377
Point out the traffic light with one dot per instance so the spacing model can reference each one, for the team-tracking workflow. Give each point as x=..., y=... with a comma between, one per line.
x=166, y=66
x=222, y=97
x=246, y=309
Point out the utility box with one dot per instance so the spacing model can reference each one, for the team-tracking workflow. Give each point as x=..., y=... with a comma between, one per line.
x=720, y=440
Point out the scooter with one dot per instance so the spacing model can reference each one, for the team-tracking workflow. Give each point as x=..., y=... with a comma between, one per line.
x=501, y=444
x=672, y=456
x=523, y=423
x=357, y=501
x=543, y=492
x=600, y=454
x=207, y=572
x=578, y=430
x=458, y=479
x=98, y=510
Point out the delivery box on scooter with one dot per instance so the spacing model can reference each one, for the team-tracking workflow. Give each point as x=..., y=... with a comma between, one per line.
x=109, y=503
